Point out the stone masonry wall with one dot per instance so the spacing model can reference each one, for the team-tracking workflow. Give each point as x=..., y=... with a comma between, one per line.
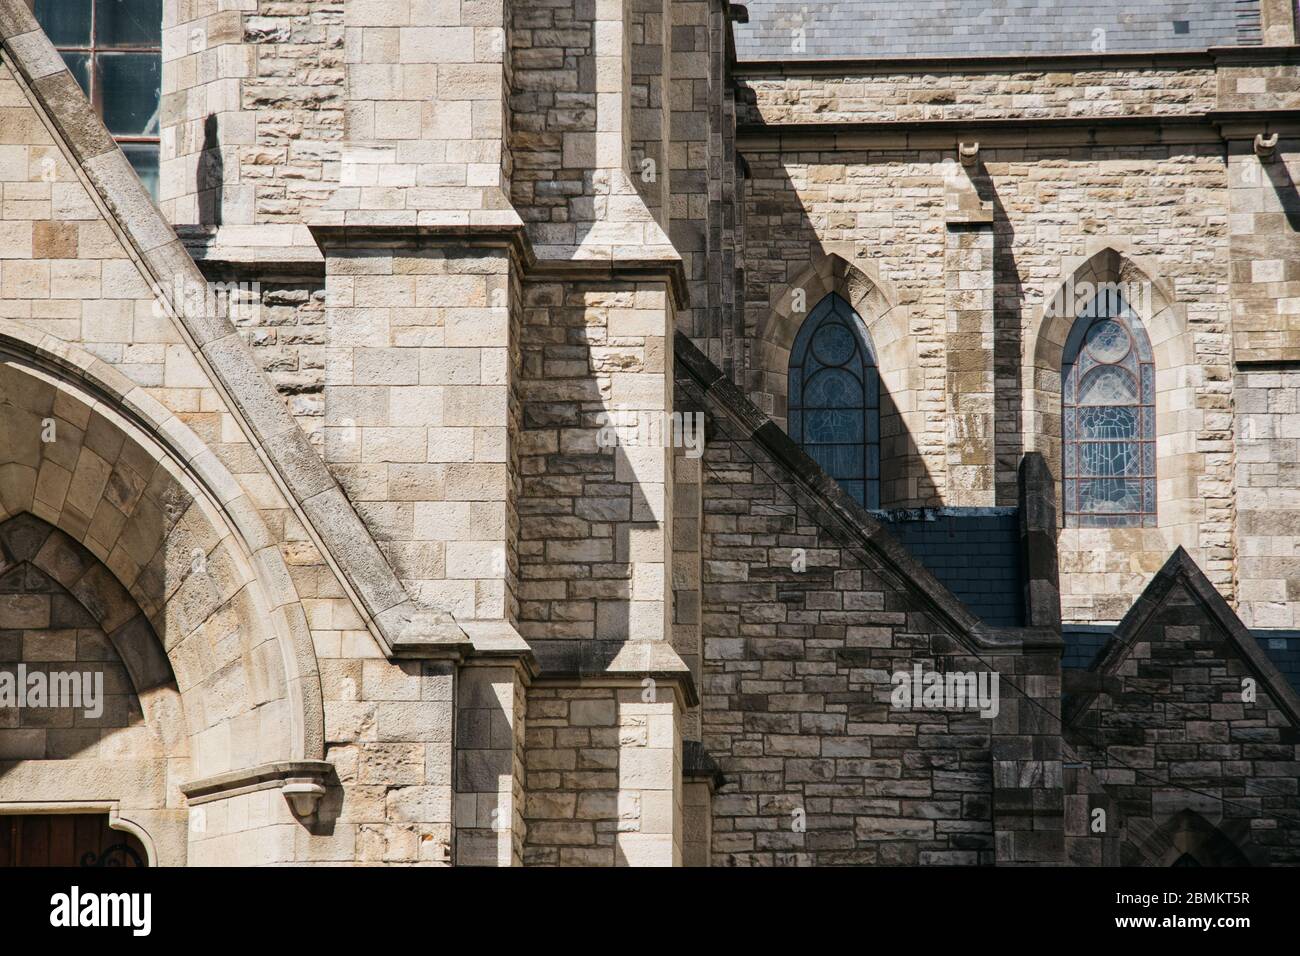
x=1171, y=732
x=898, y=96
x=252, y=110
x=796, y=691
x=1170, y=205
x=603, y=779
x=1267, y=403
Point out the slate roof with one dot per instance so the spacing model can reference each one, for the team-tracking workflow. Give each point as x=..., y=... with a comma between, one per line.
x=975, y=552
x=943, y=28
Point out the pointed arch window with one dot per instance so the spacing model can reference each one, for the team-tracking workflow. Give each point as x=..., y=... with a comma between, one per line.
x=1108, y=419
x=834, y=398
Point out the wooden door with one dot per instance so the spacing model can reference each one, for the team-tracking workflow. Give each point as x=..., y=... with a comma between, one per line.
x=70, y=839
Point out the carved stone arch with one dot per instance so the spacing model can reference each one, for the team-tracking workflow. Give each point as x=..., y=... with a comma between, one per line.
x=236, y=635
x=904, y=479
x=1130, y=554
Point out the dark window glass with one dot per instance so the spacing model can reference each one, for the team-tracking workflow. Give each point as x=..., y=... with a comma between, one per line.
x=130, y=84
x=144, y=159
x=1108, y=419
x=834, y=398
x=79, y=66
x=133, y=23
x=66, y=22
x=94, y=37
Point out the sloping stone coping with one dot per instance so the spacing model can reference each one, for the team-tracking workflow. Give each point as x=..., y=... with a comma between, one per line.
x=1181, y=568
x=853, y=520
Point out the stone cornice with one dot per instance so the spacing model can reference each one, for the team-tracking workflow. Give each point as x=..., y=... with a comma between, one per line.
x=1215, y=127
x=1208, y=58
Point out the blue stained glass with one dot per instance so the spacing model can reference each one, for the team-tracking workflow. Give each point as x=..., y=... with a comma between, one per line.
x=833, y=388
x=1108, y=386
x=833, y=398
x=833, y=344
x=833, y=425
x=1108, y=422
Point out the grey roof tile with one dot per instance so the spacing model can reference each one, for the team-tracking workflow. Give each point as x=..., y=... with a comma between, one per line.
x=937, y=28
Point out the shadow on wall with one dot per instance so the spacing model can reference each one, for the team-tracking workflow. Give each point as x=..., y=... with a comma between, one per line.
x=789, y=269
x=210, y=175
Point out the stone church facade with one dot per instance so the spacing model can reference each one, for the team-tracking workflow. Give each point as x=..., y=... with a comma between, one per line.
x=307, y=387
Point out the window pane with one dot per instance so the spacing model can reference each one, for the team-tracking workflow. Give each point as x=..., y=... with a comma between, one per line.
x=130, y=86
x=128, y=22
x=1106, y=458
x=144, y=159
x=79, y=66
x=66, y=22
x=833, y=425
x=1108, y=423
x=1110, y=495
x=833, y=388
x=1108, y=385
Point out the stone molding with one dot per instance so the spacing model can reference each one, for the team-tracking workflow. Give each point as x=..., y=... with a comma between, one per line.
x=301, y=781
x=114, y=394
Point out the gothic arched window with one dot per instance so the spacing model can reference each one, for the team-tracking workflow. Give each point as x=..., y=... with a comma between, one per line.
x=1108, y=420
x=834, y=398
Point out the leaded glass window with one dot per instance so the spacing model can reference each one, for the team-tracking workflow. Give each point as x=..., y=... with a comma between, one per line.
x=834, y=398
x=113, y=48
x=1109, y=419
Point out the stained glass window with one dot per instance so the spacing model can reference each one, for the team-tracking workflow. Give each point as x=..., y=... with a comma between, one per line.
x=1108, y=419
x=834, y=398
x=113, y=48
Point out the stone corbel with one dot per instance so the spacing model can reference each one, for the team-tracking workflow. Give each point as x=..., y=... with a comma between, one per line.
x=301, y=781
x=1266, y=146
x=969, y=153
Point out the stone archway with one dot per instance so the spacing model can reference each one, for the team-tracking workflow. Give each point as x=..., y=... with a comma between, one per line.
x=1091, y=557
x=163, y=527
x=905, y=481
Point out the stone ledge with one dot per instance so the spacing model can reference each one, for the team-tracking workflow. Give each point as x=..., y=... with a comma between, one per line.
x=301, y=781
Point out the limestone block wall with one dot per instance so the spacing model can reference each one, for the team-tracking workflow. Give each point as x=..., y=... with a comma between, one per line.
x=594, y=520
x=1267, y=481
x=796, y=704
x=1254, y=86
x=491, y=710
x=1265, y=252
x=603, y=779
x=420, y=405
x=886, y=94
x=389, y=731
x=425, y=113
x=252, y=110
x=580, y=74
